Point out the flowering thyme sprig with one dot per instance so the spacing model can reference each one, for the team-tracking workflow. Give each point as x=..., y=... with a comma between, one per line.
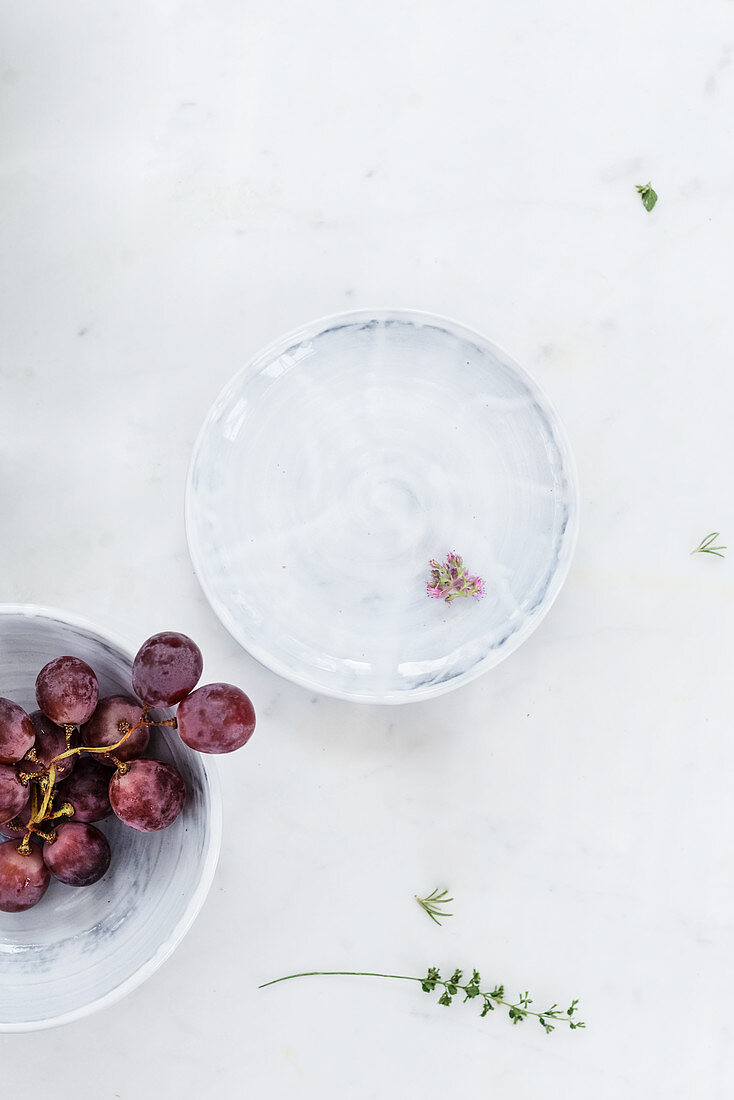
x=451, y=578
x=517, y=1010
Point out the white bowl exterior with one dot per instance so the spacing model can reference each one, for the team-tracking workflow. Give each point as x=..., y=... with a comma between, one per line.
x=81, y=949
x=529, y=493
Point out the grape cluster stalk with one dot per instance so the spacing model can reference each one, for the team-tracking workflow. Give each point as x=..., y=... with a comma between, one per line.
x=55, y=778
x=47, y=783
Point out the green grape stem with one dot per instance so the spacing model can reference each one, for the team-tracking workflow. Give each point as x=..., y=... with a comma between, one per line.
x=47, y=788
x=46, y=780
x=517, y=1010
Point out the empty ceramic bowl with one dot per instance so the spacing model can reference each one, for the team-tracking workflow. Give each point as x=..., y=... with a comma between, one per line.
x=80, y=949
x=339, y=463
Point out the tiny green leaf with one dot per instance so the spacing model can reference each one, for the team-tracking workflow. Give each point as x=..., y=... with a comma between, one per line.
x=648, y=196
x=429, y=982
x=471, y=989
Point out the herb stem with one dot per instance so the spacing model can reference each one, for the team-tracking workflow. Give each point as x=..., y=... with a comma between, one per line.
x=346, y=973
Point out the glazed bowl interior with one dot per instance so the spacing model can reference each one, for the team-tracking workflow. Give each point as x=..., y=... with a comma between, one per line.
x=339, y=463
x=80, y=949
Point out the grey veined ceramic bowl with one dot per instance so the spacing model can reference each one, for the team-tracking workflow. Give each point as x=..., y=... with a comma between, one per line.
x=81, y=949
x=338, y=463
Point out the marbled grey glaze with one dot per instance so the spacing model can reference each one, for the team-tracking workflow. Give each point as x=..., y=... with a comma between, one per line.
x=81, y=949
x=341, y=460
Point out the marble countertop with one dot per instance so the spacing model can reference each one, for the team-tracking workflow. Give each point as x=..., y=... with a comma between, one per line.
x=182, y=181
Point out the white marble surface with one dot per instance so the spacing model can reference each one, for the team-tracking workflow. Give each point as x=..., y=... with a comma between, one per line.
x=181, y=182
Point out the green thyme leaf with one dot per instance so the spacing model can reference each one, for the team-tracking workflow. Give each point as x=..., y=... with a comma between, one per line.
x=648, y=196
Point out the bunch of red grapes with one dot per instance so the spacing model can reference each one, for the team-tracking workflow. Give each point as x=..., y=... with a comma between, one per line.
x=55, y=763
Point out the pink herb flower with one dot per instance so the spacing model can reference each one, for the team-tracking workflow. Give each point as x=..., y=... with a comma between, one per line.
x=450, y=579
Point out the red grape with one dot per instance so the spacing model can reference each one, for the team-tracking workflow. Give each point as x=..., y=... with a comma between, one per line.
x=87, y=790
x=16, y=732
x=79, y=856
x=67, y=691
x=149, y=796
x=50, y=742
x=103, y=728
x=6, y=829
x=13, y=795
x=216, y=718
x=23, y=879
x=166, y=668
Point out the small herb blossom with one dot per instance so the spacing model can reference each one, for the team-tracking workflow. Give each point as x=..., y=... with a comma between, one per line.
x=451, y=578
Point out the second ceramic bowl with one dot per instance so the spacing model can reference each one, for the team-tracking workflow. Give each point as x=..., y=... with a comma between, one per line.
x=80, y=949
x=338, y=463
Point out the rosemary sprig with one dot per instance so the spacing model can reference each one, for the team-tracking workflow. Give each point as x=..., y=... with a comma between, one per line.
x=706, y=546
x=518, y=1010
x=432, y=904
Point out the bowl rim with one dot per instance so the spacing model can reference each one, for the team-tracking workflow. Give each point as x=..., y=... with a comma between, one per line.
x=309, y=330
x=214, y=841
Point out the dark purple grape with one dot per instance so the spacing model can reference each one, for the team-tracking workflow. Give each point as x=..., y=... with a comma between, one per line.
x=103, y=728
x=216, y=718
x=16, y=732
x=13, y=795
x=149, y=796
x=6, y=829
x=80, y=854
x=87, y=790
x=23, y=879
x=67, y=691
x=50, y=742
x=166, y=668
